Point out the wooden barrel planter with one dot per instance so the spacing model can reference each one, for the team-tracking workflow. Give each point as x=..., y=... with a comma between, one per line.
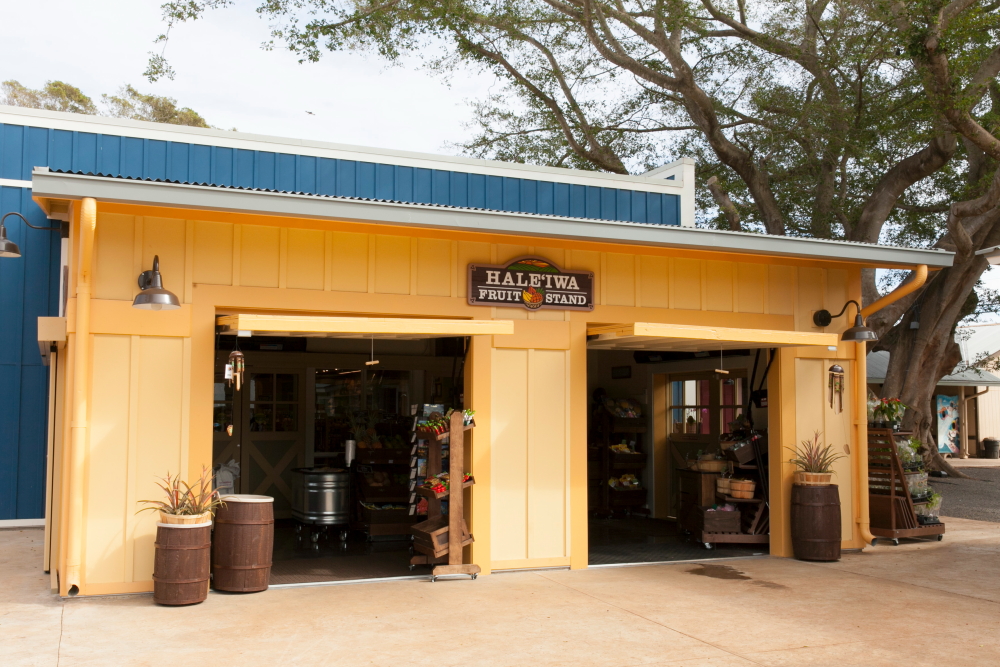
x=182, y=563
x=244, y=540
x=816, y=522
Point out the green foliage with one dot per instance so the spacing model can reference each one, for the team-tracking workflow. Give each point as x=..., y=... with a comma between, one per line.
x=54, y=96
x=812, y=456
x=184, y=499
x=128, y=103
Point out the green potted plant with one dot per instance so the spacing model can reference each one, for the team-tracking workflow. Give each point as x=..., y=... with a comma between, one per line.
x=814, y=462
x=184, y=503
x=887, y=413
x=182, y=558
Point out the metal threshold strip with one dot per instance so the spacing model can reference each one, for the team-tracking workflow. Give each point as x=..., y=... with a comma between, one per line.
x=398, y=328
x=693, y=338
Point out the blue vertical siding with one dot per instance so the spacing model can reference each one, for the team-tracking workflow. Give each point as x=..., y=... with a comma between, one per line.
x=22, y=148
x=29, y=288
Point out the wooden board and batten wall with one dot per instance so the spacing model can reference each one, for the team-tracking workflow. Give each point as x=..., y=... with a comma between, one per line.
x=151, y=386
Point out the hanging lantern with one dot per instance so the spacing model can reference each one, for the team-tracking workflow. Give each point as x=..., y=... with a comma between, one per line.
x=837, y=387
x=237, y=364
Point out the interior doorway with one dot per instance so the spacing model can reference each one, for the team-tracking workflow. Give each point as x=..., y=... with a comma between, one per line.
x=653, y=415
x=331, y=437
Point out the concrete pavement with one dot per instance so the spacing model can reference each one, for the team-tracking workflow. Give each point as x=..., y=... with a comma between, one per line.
x=921, y=603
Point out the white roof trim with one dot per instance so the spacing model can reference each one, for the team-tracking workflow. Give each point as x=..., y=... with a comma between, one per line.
x=11, y=183
x=47, y=184
x=228, y=139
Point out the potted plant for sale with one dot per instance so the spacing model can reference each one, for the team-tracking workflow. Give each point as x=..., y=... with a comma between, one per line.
x=814, y=462
x=182, y=561
x=887, y=413
x=815, y=511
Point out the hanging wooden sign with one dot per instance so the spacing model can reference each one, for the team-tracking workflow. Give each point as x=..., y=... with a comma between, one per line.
x=532, y=283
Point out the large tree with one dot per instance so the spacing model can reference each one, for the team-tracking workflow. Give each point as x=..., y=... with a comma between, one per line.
x=856, y=120
x=128, y=103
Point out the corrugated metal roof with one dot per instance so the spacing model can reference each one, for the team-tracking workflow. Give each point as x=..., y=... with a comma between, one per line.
x=56, y=184
x=878, y=365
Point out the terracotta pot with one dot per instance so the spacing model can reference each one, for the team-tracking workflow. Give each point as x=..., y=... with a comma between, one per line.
x=185, y=519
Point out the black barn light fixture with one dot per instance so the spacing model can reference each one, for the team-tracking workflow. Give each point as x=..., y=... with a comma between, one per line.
x=153, y=296
x=7, y=247
x=859, y=333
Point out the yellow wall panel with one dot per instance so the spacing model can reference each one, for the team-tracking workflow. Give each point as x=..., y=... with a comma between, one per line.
x=585, y=260
x=836, y=291
x=392, y=264
x=306, y=254
x=470, y=253
x=751, y=281
x=350, y=262
x=547, y=453
x=620, y=286
x=114, y=276
x=813, y=413
x=159, y=410
x=259, y=255
x=509, y=455
x=811, y=292
x=213, y=253
x=653, y=274
x=434, y=267
x=164, y=237
x=506, y=252
x=719, y=286
x=685, y=284
x=781, y=289
x=107, y=460
x=555, y=255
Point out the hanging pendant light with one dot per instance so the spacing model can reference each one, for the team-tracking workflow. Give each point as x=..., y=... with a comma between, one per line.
x=859, y=333
x=153, y=296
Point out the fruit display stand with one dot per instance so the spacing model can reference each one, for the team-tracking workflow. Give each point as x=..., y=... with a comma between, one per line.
x=891, y=506
x=440, y=539
x=608, y=428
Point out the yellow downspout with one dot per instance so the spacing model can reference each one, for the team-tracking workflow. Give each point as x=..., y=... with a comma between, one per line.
x=81, y=386
x=864, y=511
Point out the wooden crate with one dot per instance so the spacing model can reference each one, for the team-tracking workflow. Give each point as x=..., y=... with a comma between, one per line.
x=627, y=460
x=431, y=537
x=717, y=522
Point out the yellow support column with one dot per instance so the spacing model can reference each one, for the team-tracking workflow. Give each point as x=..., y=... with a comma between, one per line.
x=579, y=550
x=71, y=583
x=781, y=429
x=478, y=397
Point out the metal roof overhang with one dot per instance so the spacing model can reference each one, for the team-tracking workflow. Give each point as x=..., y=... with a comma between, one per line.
x=396, y=328
x=690, y=338
x=48, y=185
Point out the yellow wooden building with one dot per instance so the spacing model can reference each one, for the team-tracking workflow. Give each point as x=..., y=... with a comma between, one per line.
x=132, y=392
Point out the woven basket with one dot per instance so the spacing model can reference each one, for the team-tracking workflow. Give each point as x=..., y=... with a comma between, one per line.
x=747, y=485
x=722, y=485
x=814, y=478
x=713, y=466
x=745, y=495
x=185, y=519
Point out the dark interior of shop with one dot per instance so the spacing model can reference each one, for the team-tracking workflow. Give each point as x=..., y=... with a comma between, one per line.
x=326, y=427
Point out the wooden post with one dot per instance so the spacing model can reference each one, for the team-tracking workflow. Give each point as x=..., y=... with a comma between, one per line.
x=457, y=530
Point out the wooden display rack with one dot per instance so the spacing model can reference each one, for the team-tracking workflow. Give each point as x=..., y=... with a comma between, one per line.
x=893, y=513
x=440, y=540
x=608, y=429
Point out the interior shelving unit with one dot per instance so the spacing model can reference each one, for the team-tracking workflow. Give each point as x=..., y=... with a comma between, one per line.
x=608, y=430
x=441, y=538
x=891, y=507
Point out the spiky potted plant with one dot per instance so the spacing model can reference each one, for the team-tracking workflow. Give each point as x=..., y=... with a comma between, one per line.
x=185, y=503
x=814, y=462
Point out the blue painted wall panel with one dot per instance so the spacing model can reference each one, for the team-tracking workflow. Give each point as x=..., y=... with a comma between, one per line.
x=29, y=287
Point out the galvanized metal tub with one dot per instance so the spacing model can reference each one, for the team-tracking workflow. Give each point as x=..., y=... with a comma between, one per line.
x=322, y=496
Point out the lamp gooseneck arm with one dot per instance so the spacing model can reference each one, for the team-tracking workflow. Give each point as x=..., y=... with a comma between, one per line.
x=844, y=309
x=25, y=221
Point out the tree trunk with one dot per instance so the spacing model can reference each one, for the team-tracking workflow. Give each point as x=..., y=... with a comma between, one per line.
x=921, y=356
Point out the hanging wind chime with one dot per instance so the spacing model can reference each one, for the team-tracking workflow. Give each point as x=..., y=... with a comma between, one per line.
x=235, y=367
x=837, y=387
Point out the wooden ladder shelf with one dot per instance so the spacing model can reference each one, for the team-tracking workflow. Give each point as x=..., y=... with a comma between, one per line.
x=891, y=508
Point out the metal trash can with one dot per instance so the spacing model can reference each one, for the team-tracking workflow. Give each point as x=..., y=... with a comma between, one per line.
x=321, y=496
x=991, y=448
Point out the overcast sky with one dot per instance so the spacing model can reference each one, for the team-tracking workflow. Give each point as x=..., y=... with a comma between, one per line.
x=223, y=74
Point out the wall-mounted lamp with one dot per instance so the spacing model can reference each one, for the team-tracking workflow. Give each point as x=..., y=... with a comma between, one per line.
x=153, y=296
x=858, y=333
x=7, y=247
